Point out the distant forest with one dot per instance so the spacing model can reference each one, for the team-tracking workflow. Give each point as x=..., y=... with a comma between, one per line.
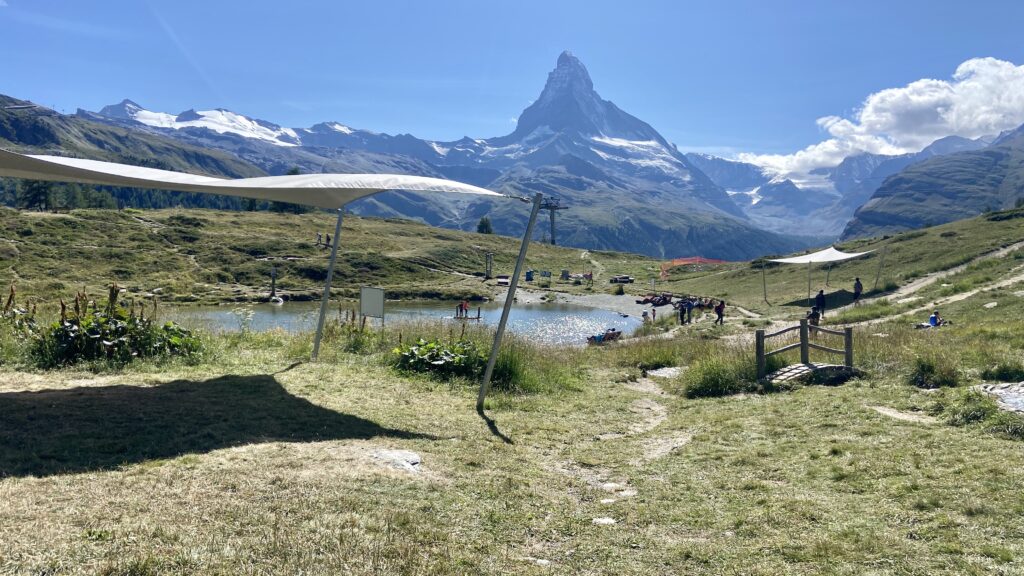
x=50, y=196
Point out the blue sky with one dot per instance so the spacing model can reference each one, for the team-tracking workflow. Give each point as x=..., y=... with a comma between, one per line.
x=744, y=76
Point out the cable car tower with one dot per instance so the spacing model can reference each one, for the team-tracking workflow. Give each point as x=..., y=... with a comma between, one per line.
x=552, y=205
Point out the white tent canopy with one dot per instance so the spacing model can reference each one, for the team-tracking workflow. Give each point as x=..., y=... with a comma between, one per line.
x=321, y=190
x=825, y=256
x=332, y=191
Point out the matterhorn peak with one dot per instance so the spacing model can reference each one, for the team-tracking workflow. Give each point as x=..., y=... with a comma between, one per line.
x=570, y=76
x=569, y=104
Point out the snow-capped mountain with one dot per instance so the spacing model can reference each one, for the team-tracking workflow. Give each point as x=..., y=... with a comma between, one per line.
x=774, y=202
x=629, y=188
x=218, y=120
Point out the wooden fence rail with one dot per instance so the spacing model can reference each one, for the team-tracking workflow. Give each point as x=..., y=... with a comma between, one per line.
x=805, y=345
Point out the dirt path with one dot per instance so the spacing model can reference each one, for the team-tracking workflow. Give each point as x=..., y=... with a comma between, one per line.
x=924, y=309
x=598, y=267
x=911, y=288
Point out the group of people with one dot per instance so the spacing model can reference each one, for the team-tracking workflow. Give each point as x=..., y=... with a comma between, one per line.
x=320, y=242
x=684, y=310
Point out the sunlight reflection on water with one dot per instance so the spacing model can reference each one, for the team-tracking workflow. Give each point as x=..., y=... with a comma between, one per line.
x=543, y=322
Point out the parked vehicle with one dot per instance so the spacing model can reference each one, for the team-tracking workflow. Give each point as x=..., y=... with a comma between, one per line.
x=621, y=279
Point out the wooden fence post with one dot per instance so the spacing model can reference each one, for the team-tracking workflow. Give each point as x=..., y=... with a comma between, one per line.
x=805, y=352
x=848, y=341
x=759, y=351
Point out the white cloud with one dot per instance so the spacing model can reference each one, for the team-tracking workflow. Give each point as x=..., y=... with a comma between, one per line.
x=3, y=3
x=985, y=96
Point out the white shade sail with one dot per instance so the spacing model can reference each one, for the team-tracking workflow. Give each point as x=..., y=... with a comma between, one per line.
x=829, y=254
x=320, y=190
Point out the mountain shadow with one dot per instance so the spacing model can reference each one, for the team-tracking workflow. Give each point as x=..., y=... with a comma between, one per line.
x=88, y=429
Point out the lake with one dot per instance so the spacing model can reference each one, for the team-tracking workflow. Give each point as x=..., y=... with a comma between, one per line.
x=547, y=323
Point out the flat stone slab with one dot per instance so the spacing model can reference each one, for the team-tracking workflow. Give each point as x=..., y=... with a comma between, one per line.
x=669, y=372
x=1009, y=396
x=406, y=460
x=904, y=416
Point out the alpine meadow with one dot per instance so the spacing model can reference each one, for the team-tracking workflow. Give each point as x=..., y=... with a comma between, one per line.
x=274, y=298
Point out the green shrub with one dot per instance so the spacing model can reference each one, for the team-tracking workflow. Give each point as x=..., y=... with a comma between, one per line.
x=112, y=334
x=1012, y=371
x=712, y=377
x=967, y=407
x=933, y=371
x=1007, y=424
x=461, y=358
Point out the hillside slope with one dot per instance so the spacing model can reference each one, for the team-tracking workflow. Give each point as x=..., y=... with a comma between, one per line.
x=217, y=256
x=945, y=188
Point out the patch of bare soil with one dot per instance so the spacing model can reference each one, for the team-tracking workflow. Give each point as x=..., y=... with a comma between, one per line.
x=646, y=386
x=661, y=446
x=651, y=414
x=904, y=416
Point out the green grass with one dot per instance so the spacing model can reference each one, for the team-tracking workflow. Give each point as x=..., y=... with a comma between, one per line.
x=281, y=459
x=254, y=460
x=211, y=256
x=908, y=256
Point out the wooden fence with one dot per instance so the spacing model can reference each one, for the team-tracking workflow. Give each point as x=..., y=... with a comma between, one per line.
x=805, y=345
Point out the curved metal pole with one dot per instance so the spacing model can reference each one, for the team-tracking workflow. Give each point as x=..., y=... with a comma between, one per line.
x=485, y=385
x=327, y=285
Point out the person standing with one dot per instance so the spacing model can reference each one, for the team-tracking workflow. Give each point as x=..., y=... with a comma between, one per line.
x=654, y=314
x=814, y=317
x=819, y=301
x=720, y=313
x=858, y=289
x=689, y=310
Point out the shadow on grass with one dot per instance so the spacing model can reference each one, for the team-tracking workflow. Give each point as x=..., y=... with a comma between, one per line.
x=833, y=300
x=492, y=425
x=88, y=429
